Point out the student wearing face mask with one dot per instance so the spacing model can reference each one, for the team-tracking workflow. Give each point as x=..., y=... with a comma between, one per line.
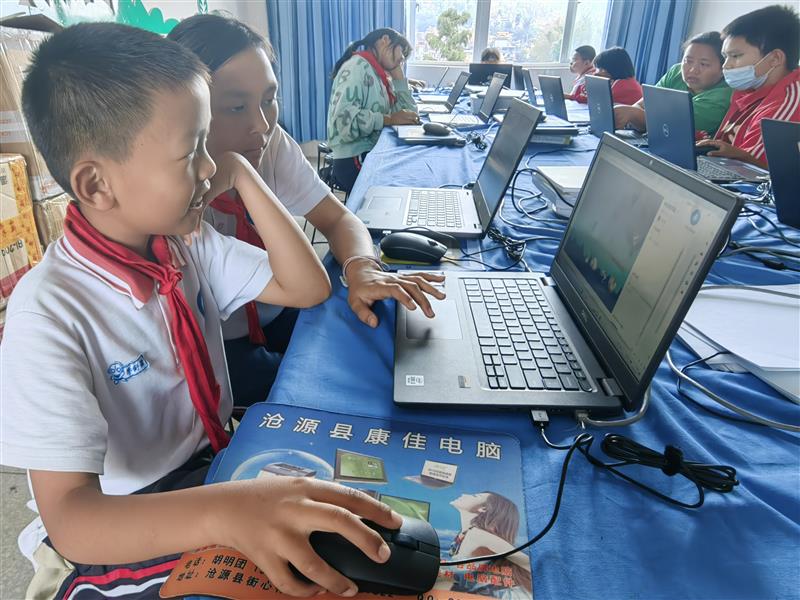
x=761, y=52
x=369, y=93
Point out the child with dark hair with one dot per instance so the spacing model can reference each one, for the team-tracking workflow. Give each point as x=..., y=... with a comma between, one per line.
x=244, y=111
x=700, y=74
x=616, y=64
x=491, y=56
x=582, y=65
x=114, y=389
x=369, y=92
x=761, y=51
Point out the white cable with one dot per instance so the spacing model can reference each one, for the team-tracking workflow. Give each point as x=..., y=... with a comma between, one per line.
x=730, y=406
x=751, y=288
x=584, y=419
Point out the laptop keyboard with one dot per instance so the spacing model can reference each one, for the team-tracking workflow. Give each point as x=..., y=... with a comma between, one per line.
x=522, y=345
x=434, y=208
x=713, y=171
x=465, y=120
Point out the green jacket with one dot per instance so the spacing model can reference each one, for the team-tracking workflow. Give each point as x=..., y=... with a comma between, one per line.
x=358, y=103
x=709, y=106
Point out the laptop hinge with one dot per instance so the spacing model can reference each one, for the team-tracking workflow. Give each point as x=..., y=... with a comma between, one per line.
x=548, y=281
x=610, y=386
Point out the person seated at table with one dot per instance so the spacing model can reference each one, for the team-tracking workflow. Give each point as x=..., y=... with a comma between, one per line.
x=489, y=523
x=582, y=64
x=761, y=51
x=369, y=92
x=699, y=73
x=244, y=109
x=491, y=56
x=616, y=64
x=114, y=389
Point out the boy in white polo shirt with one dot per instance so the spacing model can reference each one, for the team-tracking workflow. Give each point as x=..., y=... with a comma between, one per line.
x=113, y=369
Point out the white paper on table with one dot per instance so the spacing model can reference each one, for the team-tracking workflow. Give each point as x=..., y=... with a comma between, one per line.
x=761, y=328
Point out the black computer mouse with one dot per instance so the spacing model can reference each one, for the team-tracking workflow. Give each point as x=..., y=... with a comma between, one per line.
x=412, y=567
x=436, y=129
x=703, y=150
x=404, y=245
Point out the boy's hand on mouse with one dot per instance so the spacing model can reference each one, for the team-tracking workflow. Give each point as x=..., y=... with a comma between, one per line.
x=727, y=150
x=368, y=284
x=270, y=519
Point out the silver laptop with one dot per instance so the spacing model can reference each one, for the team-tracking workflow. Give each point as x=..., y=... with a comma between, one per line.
x=451, y=100
x=435, y=98
x=484, y=115
x=458, y=212
x=590, y=336
x=670, y=126
x=553, y=98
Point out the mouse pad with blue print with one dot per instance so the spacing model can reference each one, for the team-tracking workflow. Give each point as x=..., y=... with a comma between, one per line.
x=466, y=483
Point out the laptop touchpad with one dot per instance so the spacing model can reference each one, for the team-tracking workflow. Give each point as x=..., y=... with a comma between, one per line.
x=387, y=204
x=444, y=326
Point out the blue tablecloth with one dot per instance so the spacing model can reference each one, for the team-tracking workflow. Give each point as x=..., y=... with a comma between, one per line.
x=611, y=540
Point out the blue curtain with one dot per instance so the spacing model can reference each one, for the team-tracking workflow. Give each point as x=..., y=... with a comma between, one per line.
x=309, y=36
x=652, y=32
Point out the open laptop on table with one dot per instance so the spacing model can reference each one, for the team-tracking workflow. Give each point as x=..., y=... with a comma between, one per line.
x=782, y=143
x=601, y=111
x=590, y=337
x=457, y=212
x=451, y=100
x=670, y=127
x=484, y=115
x=553, y=97
x=482, y=73
x=435, y=98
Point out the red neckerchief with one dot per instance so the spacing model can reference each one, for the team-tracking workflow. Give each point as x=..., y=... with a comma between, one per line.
x=143, y=276
x=370, y=58
x=231, y=204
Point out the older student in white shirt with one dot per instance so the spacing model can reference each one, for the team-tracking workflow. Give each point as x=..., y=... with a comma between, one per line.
x=245, y=113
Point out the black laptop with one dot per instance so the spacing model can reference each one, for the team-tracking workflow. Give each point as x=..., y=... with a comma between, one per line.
x=452, y=99
x=590, y=336
x=601, y=111
x=553, y=97
x=782, y=144
x=670, y=133
x=482, y=73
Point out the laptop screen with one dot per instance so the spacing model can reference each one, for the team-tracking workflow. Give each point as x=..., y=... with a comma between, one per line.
x=601, y=105
x=553, y=96
x=458, y=87
x=527, y=80
x=640, y=241
x=502, y=160
x=491, y=96
x=670, y=125
x=481, y=73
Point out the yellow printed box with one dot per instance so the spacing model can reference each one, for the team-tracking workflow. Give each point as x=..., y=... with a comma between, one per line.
x=50, y=215
x=19, y=240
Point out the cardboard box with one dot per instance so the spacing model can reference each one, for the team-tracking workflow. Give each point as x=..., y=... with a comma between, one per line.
x=19, y=241
x=49, y=215
x=16, y=48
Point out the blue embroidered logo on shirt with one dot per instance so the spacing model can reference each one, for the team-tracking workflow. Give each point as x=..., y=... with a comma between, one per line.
x=123, y=372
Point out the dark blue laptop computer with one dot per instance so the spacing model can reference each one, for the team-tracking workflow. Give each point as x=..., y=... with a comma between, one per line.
x=782, y=143
x=601, y=112
x=670, y=132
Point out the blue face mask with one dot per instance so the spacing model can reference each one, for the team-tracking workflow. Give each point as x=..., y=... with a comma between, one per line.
x=745, y=78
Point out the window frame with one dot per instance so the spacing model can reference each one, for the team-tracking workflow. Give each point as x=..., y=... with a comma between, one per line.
x=483, y=10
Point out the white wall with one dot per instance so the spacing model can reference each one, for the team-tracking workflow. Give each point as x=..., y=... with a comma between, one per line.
x=713, y=15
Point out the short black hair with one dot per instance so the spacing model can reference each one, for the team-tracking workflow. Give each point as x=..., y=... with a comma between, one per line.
x=711, y=39
x=217, y=38
x=770, y=28
x=91, y=87
x=490, y=54
x=617, y=62
x=585, y=52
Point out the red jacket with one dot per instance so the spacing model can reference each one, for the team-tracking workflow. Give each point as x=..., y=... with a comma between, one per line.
x=626, y=91
x=742, y=123
x=578, y=92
